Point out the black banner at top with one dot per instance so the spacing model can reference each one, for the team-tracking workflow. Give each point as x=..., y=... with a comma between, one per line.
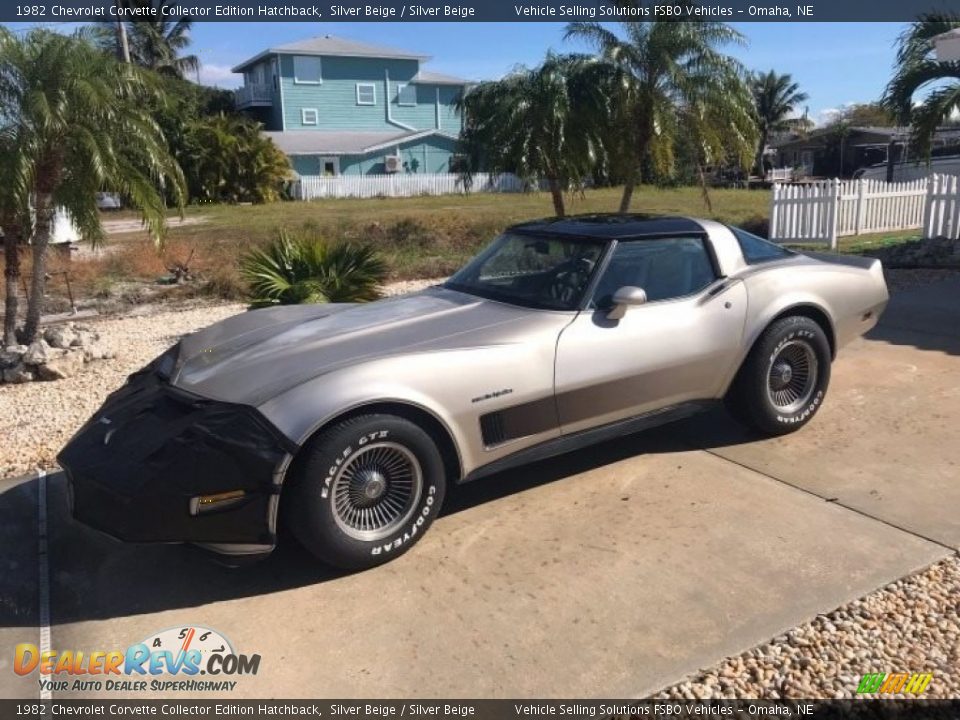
x=485, y=10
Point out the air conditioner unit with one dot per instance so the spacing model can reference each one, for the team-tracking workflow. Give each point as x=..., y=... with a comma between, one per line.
x=393, y=163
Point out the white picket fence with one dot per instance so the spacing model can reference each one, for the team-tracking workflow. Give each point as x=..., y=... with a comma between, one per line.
x=941, y=215
x=821, y=212
x=312, y=187
x=779, y=174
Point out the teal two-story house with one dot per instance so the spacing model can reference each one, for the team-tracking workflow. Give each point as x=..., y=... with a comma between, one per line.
x=341, y=107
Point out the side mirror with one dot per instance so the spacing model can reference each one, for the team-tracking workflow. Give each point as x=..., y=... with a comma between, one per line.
x=625, y=297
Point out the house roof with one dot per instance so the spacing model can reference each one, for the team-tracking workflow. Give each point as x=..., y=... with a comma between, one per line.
x=820, y=134
x=333, y=45
x=343, y=142
x=816, y=138
x=428, y=77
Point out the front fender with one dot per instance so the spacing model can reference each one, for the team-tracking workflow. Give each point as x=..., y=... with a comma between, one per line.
x=455, y=387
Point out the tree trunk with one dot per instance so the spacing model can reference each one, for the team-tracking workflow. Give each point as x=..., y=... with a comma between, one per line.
x=38, y=280
x=758, y=166
x=556, y=194
x=11, y=272
x=704, y=190
x=628, y=187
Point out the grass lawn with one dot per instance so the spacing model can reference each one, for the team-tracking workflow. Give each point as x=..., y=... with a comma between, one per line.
x=856, y=244
x=485, y=209
x=419, y=237
x=426, y=236
x=859, y=243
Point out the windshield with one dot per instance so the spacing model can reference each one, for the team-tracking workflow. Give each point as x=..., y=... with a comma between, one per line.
x=539, y=272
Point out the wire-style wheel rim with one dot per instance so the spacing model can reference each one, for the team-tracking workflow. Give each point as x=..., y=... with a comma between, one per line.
x=792, y=377
x=376, y=490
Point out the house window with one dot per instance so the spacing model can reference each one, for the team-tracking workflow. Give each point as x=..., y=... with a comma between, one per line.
x=329, y=166
x=366, y=94
x=308, y=116
x=406, y=95
x=306, y=70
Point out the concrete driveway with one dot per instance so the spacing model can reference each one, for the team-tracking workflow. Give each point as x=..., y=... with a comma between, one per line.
x=609, y=573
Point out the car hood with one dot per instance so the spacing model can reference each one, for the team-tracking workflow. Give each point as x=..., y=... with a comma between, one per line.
x=253, y=356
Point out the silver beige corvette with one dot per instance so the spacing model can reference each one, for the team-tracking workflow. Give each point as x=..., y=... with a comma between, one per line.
x=347, y=422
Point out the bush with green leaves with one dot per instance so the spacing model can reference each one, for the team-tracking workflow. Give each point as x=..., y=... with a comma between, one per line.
x=293, y=270
x=227, y=159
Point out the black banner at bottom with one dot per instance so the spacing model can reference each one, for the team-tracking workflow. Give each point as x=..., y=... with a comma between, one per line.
x=486, y=709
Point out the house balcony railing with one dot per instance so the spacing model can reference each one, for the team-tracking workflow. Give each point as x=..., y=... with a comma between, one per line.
x=255, y=94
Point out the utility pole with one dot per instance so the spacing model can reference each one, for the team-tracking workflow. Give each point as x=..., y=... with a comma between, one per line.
x=123, y=47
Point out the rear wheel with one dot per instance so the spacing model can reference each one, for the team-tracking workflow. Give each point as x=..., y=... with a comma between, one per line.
x=784, y=379
x=365, y=490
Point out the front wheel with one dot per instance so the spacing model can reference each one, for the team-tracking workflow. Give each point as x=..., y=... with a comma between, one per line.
x=365, y=490
x=783, y=382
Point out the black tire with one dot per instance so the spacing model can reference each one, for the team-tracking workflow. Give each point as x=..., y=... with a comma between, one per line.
x=353, y=478
x=783, y=381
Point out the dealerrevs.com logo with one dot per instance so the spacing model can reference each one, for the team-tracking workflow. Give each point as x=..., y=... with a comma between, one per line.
x=170, y=660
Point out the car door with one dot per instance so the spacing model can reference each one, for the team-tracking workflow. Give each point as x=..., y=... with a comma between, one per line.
x=676, y=347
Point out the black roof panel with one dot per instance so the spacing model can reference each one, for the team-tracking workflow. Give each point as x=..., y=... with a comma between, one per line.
x=611, y=226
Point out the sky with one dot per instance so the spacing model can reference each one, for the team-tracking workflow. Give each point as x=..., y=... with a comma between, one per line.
x=835, y=63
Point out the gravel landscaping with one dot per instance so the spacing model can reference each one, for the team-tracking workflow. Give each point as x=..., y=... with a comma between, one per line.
x=911, y=625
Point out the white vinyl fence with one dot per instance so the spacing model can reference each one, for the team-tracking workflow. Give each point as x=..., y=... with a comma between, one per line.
x=821, y=212
x=311, y=187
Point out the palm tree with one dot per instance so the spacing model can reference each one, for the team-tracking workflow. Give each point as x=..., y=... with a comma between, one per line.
x=541, y=123
x=156, y=41
x=919, y=70
x=662, y=73
x=775, y=98
x=79, y=123
x=14, y=218
x=293, y=270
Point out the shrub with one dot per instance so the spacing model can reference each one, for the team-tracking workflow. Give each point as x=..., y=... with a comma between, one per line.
x=224, y=283
x=293, y=270
x=227, y=159
x=757, y=225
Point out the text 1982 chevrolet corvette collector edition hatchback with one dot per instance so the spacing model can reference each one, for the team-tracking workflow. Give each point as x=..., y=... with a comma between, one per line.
x=347, y=422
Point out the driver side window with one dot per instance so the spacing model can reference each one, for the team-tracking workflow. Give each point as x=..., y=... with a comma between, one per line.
x=667, y=268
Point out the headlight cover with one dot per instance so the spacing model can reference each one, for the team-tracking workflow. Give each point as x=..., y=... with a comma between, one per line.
x=165, y=365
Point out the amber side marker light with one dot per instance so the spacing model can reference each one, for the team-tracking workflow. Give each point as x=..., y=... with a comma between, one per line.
x=220, y=501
